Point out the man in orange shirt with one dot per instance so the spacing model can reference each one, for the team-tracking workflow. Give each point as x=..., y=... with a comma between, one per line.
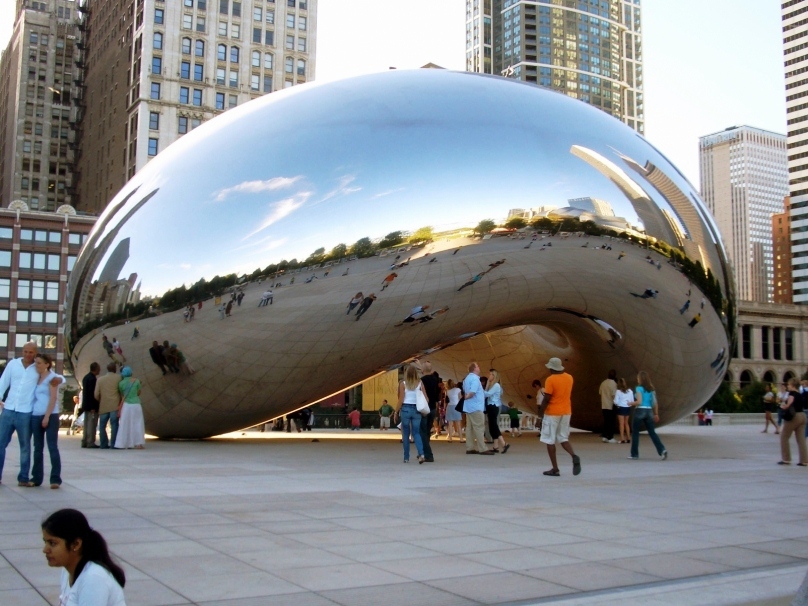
x=556, y=411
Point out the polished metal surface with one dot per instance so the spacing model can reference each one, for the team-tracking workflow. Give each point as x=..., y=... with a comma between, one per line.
x=316, y=166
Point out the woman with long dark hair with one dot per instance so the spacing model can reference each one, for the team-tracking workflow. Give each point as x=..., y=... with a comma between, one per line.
x=45, y=424
x=647, y=414
x=90, y=577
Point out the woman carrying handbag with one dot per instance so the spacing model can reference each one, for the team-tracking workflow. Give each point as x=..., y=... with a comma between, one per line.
x=407, y=411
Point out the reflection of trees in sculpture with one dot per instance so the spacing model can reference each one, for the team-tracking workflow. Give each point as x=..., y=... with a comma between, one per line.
x=515, y=223
x=423, y=234
x=484, y=226
x=394, y=238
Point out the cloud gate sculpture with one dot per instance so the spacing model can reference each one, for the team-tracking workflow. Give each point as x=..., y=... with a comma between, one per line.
x=338, y=167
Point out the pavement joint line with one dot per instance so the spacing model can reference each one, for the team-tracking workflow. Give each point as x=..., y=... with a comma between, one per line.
x=672, y=583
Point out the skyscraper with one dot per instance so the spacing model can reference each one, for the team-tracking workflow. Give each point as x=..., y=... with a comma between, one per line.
x=155, y=70
x=37, y=84
x=588, y=49
x=744, y=180
x=795, y=60
x=781, y=242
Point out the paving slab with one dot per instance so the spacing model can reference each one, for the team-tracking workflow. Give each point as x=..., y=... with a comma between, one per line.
x=266, y=519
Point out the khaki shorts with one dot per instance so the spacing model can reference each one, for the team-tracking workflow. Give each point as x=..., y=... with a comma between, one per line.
x=555, y=429
x=384, y=422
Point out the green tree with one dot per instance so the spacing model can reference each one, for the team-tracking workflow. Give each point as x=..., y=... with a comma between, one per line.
x=339, y=251
x=394, y=238
x=543, y=223
x=515, y=223
x=484, y=227
x=423, y=234
x=316, y=257
x=363, y=247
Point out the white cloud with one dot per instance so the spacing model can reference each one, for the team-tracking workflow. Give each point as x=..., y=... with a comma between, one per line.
x=256, y=187
x=281, y=209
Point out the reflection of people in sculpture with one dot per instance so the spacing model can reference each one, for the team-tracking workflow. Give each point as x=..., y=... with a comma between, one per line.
x=476, y=278
x=720, y=356
x=389, y=280
x=696, y=319
x=366, y=303
x=649, y=293
x=313, y=277
x=356, y=300
x=418, y=312
x=228, y=308
x=495, y=264
x=345, y=273
x=685, y=307
x=621, y=255
x=266, y=299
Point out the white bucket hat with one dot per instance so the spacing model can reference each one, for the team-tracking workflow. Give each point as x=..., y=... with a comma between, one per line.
x=555, y=364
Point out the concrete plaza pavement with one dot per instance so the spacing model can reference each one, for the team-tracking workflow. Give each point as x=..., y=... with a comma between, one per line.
x=276, y=519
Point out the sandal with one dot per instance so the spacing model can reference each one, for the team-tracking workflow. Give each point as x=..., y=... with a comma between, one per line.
x=552, y=472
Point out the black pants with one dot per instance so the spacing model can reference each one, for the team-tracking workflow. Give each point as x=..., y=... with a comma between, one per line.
x=492, y=414
x=426, y=431
x=608, y=423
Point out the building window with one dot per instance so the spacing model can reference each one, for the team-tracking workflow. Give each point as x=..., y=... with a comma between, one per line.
x=255, y=82
x=158, y=16
x=154, y=121
x=23, y=289
x=223, y=28
x=267, y=84
x=189, y=3
x=764, y=342
x=221, y=52
x=237, y=9
x=186, y=46
x=26, y=235
x=220, y=100
x=6, y=233
x=301, y=45
x=267, y=60
x=270, y=17
x=185, y=70
x=224, y=6
x=33, y=38
x=152, y=146
x=234, y=52
x=746, y=341
x=195, y=122
x=789, y=343
x=301, y=24
x=232, y=101
x=233, y=78
x=289, y=68
x=157, y=66
x=199, y=48
x=235, y=31
x=71, y=262
x=155, y=90
x=5, y=288
x=5, y=258
x=3, y=315
x=301, y=67
x=200, y=24
x=52, y=291
x=53, y=263
x=158, y=41
x=199, y=72
x=220, y=76
x=198, y=97
x=777, y=342
x=182, y=127
x=187, y=21
x=202, y=5
x=258, y=14
x=25, y=260
x=290, y=3
x=184, y=92
x=269, y=38
x=290, y=43
x=256, y=59
x=50, y=317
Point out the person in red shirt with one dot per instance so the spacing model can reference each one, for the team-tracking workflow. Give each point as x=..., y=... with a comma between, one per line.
x=556, y=410
x=353, y=416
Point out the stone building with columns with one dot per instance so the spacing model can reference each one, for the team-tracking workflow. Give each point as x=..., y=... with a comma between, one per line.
x=772, y=343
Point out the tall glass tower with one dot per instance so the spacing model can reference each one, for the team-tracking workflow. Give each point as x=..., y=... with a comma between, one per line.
x=588, y=49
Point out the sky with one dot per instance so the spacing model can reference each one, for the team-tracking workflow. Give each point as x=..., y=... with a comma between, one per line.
x=709, y=64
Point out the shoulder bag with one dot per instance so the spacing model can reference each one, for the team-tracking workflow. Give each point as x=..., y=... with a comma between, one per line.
x=421, y=403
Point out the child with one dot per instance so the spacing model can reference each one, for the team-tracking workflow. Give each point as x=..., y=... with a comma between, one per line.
x=514, y=413
x=354, y=418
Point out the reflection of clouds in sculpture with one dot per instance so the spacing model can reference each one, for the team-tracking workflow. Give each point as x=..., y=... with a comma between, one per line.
x=343, y=188
x=256, y=187
x=280, y=210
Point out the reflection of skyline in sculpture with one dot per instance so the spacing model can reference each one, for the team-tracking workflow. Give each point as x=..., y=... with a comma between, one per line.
x=114, y=265
x=650, y=214
x=595, y=206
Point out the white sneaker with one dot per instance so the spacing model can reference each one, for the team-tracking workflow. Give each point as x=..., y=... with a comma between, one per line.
x=664, y=455
x=604, y=440
x=612, y=441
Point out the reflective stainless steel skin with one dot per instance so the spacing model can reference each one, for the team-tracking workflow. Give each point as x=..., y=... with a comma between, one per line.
x=319, y=165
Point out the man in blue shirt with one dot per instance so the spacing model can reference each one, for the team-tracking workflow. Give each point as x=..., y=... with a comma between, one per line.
x=20, y=378
x=474, y=408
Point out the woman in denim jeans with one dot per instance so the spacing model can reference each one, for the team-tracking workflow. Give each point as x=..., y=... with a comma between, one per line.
x=45, y=424
x=646, y=413
x=408, y=414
